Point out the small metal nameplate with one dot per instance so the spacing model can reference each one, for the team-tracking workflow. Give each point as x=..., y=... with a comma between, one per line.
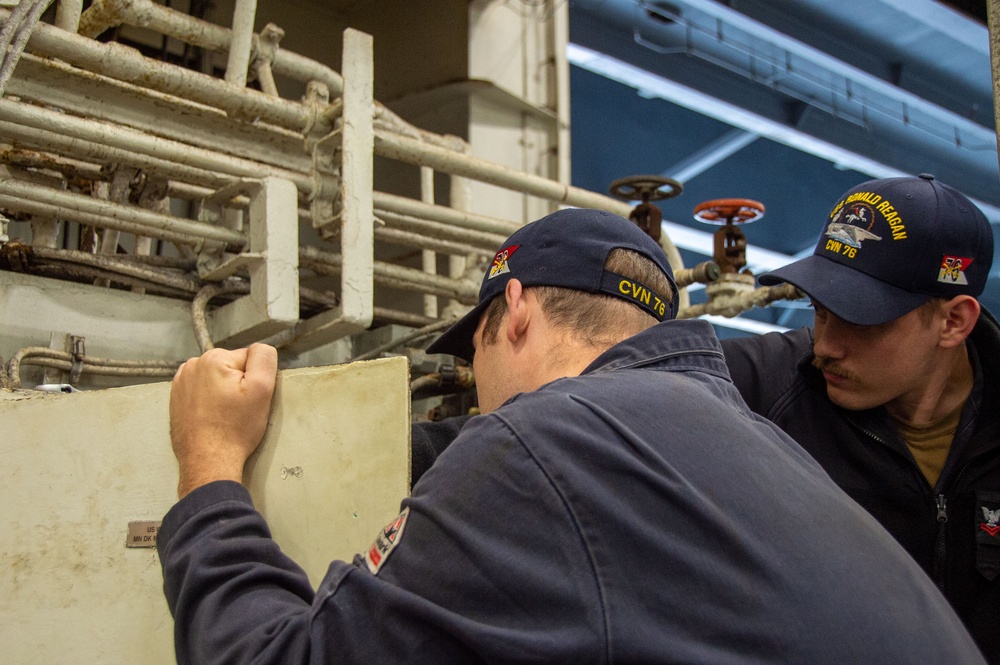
x=142, y=534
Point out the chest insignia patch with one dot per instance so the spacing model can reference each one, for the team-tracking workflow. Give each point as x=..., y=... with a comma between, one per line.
x=990, y=519
x=385, y=542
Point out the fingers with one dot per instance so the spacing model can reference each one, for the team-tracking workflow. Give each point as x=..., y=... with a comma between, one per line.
x=223, y=360
x=261, y=361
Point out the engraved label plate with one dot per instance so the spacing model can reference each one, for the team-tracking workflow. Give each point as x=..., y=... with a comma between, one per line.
x=142, y=534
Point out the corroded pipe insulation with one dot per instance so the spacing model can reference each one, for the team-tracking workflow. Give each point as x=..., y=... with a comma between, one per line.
x=63, y=360
x=703, y=273
x=154, y=147
x=127, y=64
x=19, y=195
x=128, y=266
x=105, y=14
x=200, y=303
x=733, y=305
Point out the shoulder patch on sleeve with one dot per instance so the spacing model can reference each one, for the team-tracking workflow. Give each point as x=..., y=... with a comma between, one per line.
x=385, y=542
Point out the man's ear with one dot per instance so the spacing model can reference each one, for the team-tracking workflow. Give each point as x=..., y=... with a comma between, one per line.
x=961, y=314
x=518, y=310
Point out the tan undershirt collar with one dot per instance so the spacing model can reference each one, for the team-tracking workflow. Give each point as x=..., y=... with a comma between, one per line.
x=929, y=443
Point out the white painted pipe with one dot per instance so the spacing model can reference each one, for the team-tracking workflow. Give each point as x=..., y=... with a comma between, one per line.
x=413, y=152
x=442, y=231
x=402, y=318
x=68, y=15
x=127, y=64
x=732, y=305
x=38, y=355
x=240, y=42
x=397, y=276
x=428, y=258
x=90, y=151
x=104, y=14
x=52, y=83
x=266, y=78
x=461, y=199
x=19, y=195
x=559, y=11
x=410, y=239
x=128, y=139
x=406, y=206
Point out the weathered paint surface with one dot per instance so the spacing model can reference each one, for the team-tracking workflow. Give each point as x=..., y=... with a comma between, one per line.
x=79, y=468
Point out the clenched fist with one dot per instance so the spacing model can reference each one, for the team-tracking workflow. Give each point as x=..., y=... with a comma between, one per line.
x=219, y=406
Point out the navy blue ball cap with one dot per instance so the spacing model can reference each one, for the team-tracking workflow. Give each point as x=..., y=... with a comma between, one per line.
x=891, y=245
x=566, y=249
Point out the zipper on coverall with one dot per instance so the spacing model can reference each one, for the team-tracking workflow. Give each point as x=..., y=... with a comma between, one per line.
x=941, y=515
x=940, y=547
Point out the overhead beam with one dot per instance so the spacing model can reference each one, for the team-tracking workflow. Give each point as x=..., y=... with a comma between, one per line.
x=972, y=132
x=940, y=17
x=721, y=148
x=653, y=85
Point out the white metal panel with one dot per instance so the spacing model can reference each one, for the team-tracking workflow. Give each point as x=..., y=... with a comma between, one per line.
x=79, y=468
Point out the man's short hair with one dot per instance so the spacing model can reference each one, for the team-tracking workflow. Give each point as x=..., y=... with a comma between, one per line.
x=569, y=250
x=594, y=318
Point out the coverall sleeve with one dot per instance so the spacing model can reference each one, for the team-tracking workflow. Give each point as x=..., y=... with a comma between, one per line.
x=763, y=367
x=488, y=564
x=428, y=440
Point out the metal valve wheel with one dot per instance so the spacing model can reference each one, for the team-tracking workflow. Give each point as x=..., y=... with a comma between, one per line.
x=729, y=211
x=730, y=243
x=646, y=188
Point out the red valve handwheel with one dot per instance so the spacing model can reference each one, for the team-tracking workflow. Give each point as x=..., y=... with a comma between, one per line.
x=725, y=211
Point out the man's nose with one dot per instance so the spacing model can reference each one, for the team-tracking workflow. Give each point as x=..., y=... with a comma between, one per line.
x=828, y=342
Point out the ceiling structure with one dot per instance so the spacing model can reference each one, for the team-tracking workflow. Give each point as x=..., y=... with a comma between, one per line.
x=787, y=102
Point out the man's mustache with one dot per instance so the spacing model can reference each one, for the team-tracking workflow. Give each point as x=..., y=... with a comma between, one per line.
x=831, y=367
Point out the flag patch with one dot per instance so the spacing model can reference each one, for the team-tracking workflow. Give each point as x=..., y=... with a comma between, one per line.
x=385, y=542
x=953, y=269
x=500, y=266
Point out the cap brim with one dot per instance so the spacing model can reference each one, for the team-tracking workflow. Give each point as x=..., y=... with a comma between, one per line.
x=849, y=294
x=457, y=340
